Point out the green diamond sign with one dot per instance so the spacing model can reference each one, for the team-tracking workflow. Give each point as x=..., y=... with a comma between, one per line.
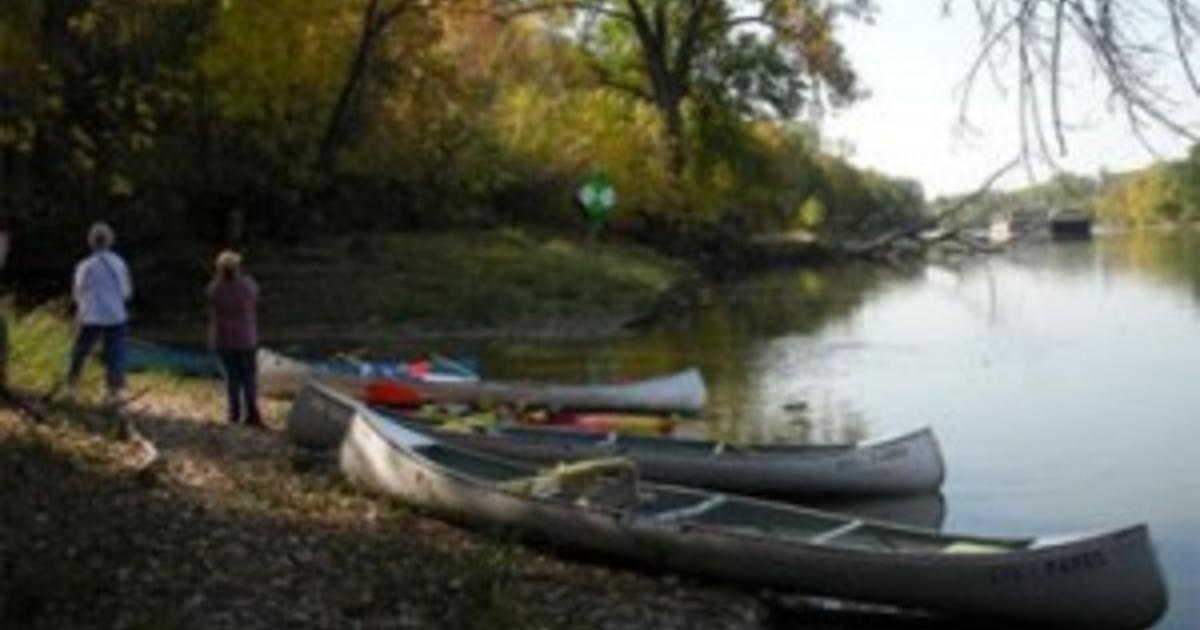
x=597, y=197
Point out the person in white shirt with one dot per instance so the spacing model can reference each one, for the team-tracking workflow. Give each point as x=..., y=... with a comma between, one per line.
x=102, y=285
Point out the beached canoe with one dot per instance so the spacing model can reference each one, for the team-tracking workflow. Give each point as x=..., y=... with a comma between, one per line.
x=682, y=392
x=1102, y=580
x=910, y=463
x=463, y=418
x=282, y=375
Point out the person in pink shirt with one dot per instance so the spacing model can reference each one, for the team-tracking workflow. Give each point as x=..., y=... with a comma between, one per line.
x=233, y=335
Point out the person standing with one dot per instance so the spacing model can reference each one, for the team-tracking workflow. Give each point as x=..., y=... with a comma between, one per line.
x=233, y=335
x=101, y=287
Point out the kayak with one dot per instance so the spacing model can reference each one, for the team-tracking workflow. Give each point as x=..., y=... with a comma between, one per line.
x=1108, y=579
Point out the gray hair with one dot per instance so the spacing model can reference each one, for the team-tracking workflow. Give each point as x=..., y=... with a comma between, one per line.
x=101, y=235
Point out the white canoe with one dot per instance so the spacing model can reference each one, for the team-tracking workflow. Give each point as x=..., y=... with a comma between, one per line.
x=910, y=463
x=681, y=392
x=1103, y=580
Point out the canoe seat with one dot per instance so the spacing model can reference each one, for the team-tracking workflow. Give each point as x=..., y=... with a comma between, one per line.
x=840, y=530
x=687, y=512
x=609, y=481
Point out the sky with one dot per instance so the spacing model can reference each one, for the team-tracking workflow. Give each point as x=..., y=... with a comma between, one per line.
x=913, y=61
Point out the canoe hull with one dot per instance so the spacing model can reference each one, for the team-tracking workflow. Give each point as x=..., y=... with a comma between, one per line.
x=681, y=392
x=282, y=376
x=907, y=464
x=1110, y=580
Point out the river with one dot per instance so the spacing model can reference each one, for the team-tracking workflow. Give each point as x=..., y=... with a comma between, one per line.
x=1059, y=377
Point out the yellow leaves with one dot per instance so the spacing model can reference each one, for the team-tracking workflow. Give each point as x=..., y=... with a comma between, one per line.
x=82, y=161
x=810, y=215
x=139, y=141
x=53, y=104
x=82, y=139
x=83, y=24
x=120, y=186
x=280, y=58
x=19, y=134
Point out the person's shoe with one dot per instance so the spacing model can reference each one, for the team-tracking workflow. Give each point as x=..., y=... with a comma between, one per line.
x=256, y=423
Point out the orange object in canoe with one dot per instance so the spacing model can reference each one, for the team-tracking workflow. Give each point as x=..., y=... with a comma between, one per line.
x=392, y=393
x=635, y=424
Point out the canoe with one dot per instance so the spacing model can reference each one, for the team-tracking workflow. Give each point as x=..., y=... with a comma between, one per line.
x=910, y=463
x=1109, y=579
x=682, y=392
x=619, y=423
x=469, y=419
x=282, y=375
x=145, y=356
x=926, y=511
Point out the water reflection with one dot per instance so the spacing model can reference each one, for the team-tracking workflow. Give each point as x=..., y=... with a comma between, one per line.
x=1058, y=377
x=1044, y=371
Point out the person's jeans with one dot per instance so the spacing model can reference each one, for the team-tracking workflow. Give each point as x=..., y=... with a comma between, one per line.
x=241, y=384
x=112, y=354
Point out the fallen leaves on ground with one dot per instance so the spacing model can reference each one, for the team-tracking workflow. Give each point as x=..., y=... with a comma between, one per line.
x=224, y=530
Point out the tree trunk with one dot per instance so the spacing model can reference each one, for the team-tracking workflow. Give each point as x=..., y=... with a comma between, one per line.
x=668, y=86
x=372, y=25
x=675, y=140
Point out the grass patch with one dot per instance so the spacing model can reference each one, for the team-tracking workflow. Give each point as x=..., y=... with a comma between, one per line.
x=460, y=281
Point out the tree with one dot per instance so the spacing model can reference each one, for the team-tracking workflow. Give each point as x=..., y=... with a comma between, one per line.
x=1129, y=44
x=1187, y=174
x=758, y=55
x=377, y=17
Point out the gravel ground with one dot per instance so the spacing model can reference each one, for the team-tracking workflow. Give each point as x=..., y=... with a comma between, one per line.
x=223, y=531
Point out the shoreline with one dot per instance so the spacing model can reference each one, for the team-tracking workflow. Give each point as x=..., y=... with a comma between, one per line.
x=223, y=530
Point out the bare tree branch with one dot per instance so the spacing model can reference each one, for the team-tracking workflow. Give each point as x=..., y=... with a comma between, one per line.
x=1130, y=45
x=508, y=9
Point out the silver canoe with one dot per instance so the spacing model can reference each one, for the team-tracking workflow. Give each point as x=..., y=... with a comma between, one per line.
x=681, y=392
x=1104, y=580
x=905, y=464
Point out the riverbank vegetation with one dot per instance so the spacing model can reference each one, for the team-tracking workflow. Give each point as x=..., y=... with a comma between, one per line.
x=195, y=124
x=405, y=286
x=1163, y=194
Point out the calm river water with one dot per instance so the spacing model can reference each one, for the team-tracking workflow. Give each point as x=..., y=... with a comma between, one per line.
x=1060, y=378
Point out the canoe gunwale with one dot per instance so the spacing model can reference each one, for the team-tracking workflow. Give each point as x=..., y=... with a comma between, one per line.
x=856, y=470
x=1124, y=591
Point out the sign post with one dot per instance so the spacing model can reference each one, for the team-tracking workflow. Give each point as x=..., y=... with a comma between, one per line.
x=596, y=198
